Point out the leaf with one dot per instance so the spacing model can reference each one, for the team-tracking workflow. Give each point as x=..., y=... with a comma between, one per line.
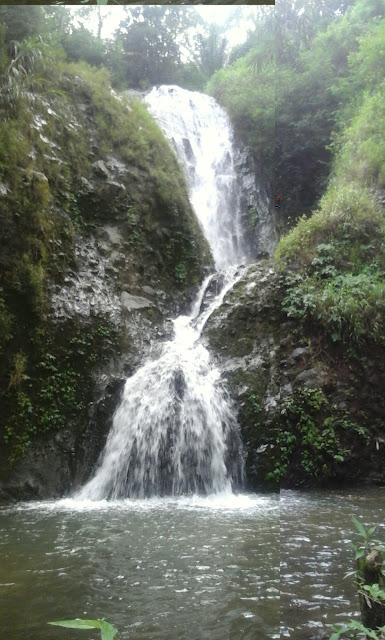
x=75, y=624
x=108, y=632
x=350, y=573
x=359, y=527
x=359, y=554
x=371, y=634
x=367, y=600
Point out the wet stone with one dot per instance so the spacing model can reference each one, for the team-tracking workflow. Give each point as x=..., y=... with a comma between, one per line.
x=131, y=302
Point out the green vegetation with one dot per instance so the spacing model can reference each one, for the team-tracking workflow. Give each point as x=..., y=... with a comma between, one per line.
x=355, y=629
x=314, y=435
x=107, y=631
x=334, y=267
x=334, y=261
x=57, y=118
x=301, y=75
x=372, y=596
x=53, y=385
x=249, y=98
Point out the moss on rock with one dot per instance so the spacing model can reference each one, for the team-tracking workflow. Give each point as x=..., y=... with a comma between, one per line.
x=76, y=158
x=244, y=333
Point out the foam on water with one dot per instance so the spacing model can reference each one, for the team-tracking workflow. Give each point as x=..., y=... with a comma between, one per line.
x=224, y=502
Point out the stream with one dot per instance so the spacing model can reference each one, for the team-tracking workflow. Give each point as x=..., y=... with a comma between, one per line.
x=158, y=569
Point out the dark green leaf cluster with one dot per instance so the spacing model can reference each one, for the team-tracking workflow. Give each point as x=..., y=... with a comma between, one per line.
x=373, y=594
x=53, y=385
x=314, y=435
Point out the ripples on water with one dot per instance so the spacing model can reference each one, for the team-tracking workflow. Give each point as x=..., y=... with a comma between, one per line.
x=183, y=569
x=316, y=531
x=186, y=569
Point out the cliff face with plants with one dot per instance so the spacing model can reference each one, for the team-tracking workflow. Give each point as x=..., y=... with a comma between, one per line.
x=333, y=269
x=326, y=118
x=99, y=246
x=244, y=333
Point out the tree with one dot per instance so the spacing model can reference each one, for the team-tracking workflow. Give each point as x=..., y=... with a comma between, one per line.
x=151, y=41
x=81, y=44
x=212, y=50
x=21, y=21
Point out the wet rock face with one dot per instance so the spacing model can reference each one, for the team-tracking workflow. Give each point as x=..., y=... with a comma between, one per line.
x=117, y=269
x=244, y=335
x=256, y=202
x=332, y=410
x=212, y=291
x=130, y=302
x=101, y=283
x=87, y=290
x=45, y=472
x=104, y=281
x=310, y=414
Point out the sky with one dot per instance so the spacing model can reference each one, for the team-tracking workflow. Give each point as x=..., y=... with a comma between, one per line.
x=209, y=13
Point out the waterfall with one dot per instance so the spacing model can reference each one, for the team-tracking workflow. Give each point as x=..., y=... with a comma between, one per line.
x=175, y=431
x=201, y=134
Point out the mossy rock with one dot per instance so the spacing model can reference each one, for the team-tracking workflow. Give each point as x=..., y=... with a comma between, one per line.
x=244, y=334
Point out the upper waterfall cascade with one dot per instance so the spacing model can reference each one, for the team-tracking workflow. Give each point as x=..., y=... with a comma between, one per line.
x=201, y=134
x=175, y=431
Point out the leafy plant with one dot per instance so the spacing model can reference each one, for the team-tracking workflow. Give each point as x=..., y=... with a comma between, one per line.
x=18, y=76
x=373, y=593
x=367, y=543
x=312, y=435
x=356, y=629
x=107, y=631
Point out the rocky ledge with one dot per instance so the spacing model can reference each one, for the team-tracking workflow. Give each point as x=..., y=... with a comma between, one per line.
x=244, y=335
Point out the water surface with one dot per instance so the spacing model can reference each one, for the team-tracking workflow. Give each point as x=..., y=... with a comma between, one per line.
x=171, y=569
x=316, y=532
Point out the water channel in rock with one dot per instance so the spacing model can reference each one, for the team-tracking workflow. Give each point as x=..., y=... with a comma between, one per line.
x=175, y=431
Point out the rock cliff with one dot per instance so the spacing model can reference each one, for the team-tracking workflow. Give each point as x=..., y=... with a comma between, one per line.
x=244, y=333
x=100, y=248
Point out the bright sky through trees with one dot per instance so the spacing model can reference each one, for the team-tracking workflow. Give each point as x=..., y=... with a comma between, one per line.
x=114, y=14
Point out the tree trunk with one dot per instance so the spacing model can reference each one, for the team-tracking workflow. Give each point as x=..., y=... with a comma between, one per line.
x=100, y=23
x=372, y=613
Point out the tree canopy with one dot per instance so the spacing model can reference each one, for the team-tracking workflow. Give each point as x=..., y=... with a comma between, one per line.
x=290, y=86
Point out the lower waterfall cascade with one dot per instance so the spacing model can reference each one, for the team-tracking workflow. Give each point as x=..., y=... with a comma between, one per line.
x=175, y=431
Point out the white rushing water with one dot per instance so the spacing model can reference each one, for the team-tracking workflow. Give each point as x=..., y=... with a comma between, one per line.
x=175, y=431
x=201, y=134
